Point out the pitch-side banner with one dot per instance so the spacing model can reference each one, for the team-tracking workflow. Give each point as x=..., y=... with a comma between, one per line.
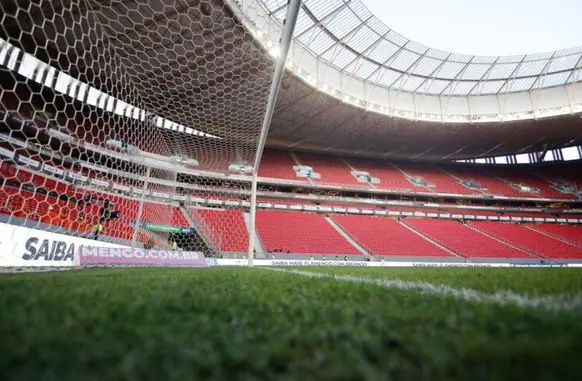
x=108, y=256
x=23, y=247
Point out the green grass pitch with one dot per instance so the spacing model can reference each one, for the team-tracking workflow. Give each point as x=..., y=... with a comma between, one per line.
x=256, y=324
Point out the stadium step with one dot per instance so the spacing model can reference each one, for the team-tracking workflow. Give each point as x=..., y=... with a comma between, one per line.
x=553, y=236
x=431, y=240
x=203, y=231
x=259, y=247
x=502, y=241
x=344, y=234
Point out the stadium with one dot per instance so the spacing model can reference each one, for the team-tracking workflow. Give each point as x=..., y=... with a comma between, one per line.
x=313, y=194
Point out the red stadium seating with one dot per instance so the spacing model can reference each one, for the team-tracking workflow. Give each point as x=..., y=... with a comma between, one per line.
x=490, y=183
x=332, y=169
x=300, y=233
x=529, y=240
x=443, y=182
x=463, y=240
x=390, y=177
x=277, y=165
x=229, y=232
x=527, y=179
x=570, y=233
x=385, y=236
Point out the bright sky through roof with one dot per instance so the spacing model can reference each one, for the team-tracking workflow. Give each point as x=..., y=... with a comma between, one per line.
x=485, y=27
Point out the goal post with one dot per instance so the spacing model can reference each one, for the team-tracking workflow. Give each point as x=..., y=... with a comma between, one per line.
x=141, y=123
x=285, y=43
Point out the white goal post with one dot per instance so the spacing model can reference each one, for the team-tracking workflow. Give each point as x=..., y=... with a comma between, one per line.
x=285, y=42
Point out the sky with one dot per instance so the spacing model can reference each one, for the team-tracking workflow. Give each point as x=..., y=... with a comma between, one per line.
x=485, y=27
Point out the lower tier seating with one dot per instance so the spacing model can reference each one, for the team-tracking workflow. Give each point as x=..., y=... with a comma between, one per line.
x=386, y=236
x=226, y=229
x=570, y=233
x=527, y=239
x=300, y=233
x=463, y=240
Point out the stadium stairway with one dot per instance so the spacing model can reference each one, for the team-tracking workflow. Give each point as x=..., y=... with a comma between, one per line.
x=346, y=235
x=200, y=234
x=554, y=235
x=544, y=246
x=532, y=254
x=428, y=239
x=465, y=241
x=259, y=247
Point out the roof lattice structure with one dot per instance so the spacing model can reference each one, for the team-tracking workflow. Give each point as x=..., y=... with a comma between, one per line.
x=345, y=34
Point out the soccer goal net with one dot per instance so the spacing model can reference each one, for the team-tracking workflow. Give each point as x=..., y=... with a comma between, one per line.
x=135, y=123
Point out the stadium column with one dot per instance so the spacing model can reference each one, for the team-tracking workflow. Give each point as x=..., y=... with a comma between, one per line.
x=284, y=44
x=140, y=208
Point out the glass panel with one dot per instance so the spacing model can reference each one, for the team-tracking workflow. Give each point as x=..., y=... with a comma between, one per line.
x=563, y=63
x=339, y=56
x=460, y=88
x=501, y=71
x=320, y=9
x=386, y=77
x=518, y=84
x=362, y=39
x=403, y=60
x=426, y=66
x=552, y=80
x=317, y=41
x=361, y=68
x=449, y=70
x=487, y=87
x=435, y=86
x=531, y=68
x=304, y=22
x=343, y=22
x=383, y=51
x=475, y=71
x=410, y=83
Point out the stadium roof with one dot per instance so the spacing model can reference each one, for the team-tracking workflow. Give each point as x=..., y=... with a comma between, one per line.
x=345, y=34
x=326, y=103
x=342, y=49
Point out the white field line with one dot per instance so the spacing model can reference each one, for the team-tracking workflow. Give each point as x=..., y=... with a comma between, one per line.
x=557, y=303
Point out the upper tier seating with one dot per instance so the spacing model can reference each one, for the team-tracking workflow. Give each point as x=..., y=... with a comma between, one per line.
x=490, y=183
x=277, y=165
x=529, y=240
x=390, y=177
x=570, y=233
x=464, y=240
x=527, y=179
x=300, y=233
x=332, y=169
x=385, y=236
x=443, y=182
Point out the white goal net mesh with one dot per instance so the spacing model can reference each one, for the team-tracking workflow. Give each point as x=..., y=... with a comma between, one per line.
x=130, y=122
